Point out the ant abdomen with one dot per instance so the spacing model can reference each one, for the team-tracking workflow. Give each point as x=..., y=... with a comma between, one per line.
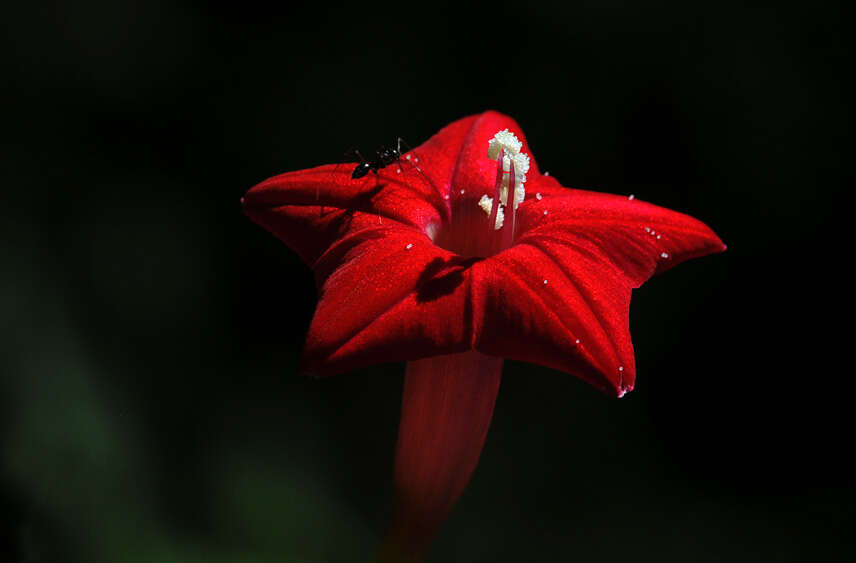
x=361, y=170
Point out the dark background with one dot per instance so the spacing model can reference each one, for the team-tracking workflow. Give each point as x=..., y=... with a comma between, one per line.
x=150, y=407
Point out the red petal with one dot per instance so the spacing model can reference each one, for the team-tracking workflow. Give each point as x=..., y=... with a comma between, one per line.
x=456, y=157
x=383, y=302
x=311, y=209
x=592, y=249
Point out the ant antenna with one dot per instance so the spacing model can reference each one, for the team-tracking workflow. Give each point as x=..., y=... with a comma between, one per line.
x=415, y=163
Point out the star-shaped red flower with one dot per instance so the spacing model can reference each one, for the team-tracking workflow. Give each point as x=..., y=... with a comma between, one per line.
x=402, y=273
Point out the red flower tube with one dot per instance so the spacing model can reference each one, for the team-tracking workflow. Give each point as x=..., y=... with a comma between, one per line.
x=452, y=260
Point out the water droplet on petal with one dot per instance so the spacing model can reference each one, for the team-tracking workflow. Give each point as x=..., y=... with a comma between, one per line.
x=545, y=282
x=620, y=368
x=658, y=236
x=647, y=229
x=409, y=246
x=462, y=192
x=398, y=171
x=578, y=340
x=538, y=196
x=665, y=254
x=545, y=212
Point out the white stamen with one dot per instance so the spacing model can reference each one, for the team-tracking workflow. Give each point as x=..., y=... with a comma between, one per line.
x=511, y=145
x=545, y=212
x=546, y=173
x=462, y=192
x=578, y=340
x=416, y=159
x=664, y=255
x=407, y=157
x=538, y=196
x=507, y=144
x=620, y=368
x=631, y=197
x=647, y=229
x=504, y=140
x=545, y=282
x=486, y=203
x=398, y=171
x=658, y=236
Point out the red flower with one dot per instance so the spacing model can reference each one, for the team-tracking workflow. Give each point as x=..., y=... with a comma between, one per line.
x=408, y=268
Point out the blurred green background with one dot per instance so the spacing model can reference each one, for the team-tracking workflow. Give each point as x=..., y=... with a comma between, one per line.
x=150, y=406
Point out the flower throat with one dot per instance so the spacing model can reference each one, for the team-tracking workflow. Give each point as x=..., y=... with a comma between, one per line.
x=488, y=227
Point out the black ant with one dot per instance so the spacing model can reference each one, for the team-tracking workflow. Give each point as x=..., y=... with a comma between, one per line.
x=383, y=157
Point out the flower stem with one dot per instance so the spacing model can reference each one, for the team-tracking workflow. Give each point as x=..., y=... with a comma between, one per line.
x=446, y=410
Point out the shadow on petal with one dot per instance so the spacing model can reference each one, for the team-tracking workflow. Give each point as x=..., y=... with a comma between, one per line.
x=441, y=277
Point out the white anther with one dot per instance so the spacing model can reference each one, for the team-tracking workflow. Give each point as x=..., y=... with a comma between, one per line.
x=508, y=145
x=504, y=140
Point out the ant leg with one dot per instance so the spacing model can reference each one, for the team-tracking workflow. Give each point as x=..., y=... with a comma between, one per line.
x=377, y=187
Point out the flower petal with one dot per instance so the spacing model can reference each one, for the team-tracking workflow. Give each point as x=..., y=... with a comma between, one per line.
x=642, y=238
x=456, y=159
x=561, y=296
x=387, y=294
x=311, y=209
